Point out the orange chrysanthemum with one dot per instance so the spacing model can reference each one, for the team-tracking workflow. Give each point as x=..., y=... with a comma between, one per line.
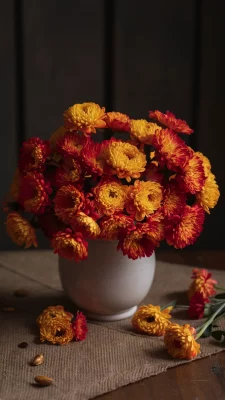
x=170, y=121
x=202, y=283
x=112, y=226
x=136, y=243
x=192, y=178
x=180, y=342
x=68, y=200
x=33, y=155
x=205, y=162
x=86, y=225
x=171, y=149
x=84, y=117
x=89, y=157
x=70, y=245
x=57, y=331
x=151, y=320
x=55, y=137
x=71, y=144
x=34, y=193
x=209, y=195
x=20, y=230
x=117, y=121
x=143, y=198
x=79, y=326
x=143, y=130
x=156, y=227
x=53, y=312
x=66, y=175
x=183, y=230
x=174, y=201
x=126, y=160
x=110, y=196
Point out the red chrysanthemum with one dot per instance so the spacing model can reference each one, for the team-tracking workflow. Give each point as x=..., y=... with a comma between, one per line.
x=68, y=200
x=89, y=156
x=50, y=224
x=70, y=245
x=156, y=227
x=112, y=226
x=174, y=201
x=68, y=175
x=34, y=193
x=79, y=326
x=172, y=151
x=71, y=144
x=183, y=230
x=193, y=177
x=202, y=283
x=170, y=121
x=33, y=155
x=136, y=243
x=117, y=121
x=197, y=306
x=86, y=225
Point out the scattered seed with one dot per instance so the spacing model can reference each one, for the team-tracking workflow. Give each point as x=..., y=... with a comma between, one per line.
x=23, y=345
x=37, y=360
x=43, y=380
x=8, y=309
x=21, y=293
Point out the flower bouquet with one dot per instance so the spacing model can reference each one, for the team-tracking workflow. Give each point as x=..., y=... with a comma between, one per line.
x=139, y=189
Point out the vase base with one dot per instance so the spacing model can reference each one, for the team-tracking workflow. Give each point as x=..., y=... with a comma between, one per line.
x=111, y=317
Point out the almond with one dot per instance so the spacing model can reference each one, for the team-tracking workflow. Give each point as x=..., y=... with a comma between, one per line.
x=42, y=380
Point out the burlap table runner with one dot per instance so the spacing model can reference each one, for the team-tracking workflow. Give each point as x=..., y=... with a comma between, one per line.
x=112, y=356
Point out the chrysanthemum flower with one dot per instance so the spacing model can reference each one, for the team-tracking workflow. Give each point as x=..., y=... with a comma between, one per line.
x=143, y=130
x=152, y=173
x=192, y=178
x=34, y=193
x=89, y=157
x=50, y=224
x=86, y=225
x=66, y=175
x=202, y=283
x=84, y=117
x=172, y=150
x=136, y=243
x=197, y=306
x=117, y=121
x=206, y=163
x=143, y=198
x=174, y=201
x=110, y=196
x=126, y=160
x=57, y=331
x=79, y=326
x=53, y=312
x=151, y=320
x=70, y=245
x=112, y=226
x=170, y=121
x=68, y=200
x=20, y=230
x=33, y=154
x=90, y=207
x=156, y=227
x=55, y=137
x=183, y=230
x=180, y=342
x=209, y=195
x=71, y=144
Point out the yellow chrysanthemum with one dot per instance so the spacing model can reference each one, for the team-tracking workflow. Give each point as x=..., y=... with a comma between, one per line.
x=84, y=117
x=111, y=226
x=209, y=195
x=143, y=130
x=205, y=162
x=20, y=230
x=126, y=160
x=86, y=225
x=57, y=331
x=180, y=342
x=55, y=137
x=143, y=199
x=52, y=312
x=152, y=320
x=110, y=197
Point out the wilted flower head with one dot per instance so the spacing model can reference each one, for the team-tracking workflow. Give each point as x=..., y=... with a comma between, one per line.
x=20, y=230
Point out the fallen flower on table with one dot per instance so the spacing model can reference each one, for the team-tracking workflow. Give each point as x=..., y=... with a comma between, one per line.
x=180, y=342
x=79, y=326
x=57, y=331
x=202, y=283
x=199, y=306
x=151, y=320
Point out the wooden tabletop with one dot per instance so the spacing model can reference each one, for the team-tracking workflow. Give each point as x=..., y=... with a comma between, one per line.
x=199, y=380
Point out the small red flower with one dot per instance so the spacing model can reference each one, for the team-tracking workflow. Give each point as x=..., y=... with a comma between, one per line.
x=202, y=283
x=170, y=121
x=79, y=326
x=71, y=144
x=197, y=306
x=33, y=154
x=117, y=121
x=34, y=193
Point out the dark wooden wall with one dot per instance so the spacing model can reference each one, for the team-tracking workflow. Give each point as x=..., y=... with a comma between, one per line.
x=129, y=55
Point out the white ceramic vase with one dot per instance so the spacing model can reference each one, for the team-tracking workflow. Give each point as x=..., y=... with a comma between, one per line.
x=107, y=286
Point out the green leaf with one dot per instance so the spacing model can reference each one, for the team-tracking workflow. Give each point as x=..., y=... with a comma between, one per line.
x=219, y=336
x=220, y=296
x=171, y=304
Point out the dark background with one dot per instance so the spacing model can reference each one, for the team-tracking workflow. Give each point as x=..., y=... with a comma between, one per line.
x=131, y=56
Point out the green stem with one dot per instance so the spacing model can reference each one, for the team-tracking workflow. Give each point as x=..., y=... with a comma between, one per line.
x=220, y=288
x=180, y=306
x=209, y=321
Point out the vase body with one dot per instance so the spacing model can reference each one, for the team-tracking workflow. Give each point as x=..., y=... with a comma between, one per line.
x=107, y=286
